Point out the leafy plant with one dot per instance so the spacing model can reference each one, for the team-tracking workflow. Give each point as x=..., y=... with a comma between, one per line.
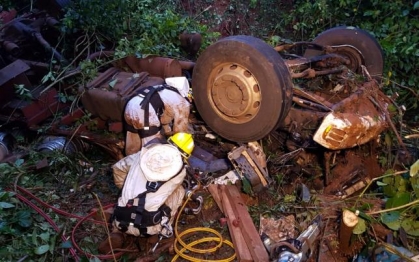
x=24, y=234
x=395, y=25
x=23, y=92
x=400, y=209
x=139, y=27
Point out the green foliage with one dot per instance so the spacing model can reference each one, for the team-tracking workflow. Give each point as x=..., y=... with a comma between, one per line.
x=395, y=24
x=400, y=191
x=89, y=70
x=6, y=5
x=139, y=27
x=24, y=234
x=23, y=93
x=21, y=233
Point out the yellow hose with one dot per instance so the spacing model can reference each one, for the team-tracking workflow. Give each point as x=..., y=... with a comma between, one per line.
x=180, y=252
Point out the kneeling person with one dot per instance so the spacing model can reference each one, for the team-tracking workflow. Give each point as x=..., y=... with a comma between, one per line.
x=152, y=191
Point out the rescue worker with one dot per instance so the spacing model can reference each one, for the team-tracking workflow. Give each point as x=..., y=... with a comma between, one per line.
x=169, y=116
x=152, y=191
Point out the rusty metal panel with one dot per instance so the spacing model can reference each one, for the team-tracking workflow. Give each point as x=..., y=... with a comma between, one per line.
x=156, y=66
x=12, y=71
x=12, y=75
x=43, y=107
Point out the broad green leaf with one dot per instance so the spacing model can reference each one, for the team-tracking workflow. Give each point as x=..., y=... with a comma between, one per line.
x=414, y=169
x=394, y=225
x=44, y=236
x=399, y=199
x=390, y=189
x=41, y=249
x=5, y=205
x=360, y=228
x=24, y=218
x=414, y=181
x=247, y=187
x=410, y=226
x=5, y=195
x=390, y=216
x=416, y=5
x=391, y=219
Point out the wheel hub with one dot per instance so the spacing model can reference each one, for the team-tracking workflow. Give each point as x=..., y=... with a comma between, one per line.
x=354, y=56
x=235, y=93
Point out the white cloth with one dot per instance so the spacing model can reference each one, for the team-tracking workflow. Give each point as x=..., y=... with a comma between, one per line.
x=128, y=173
x=175, y=118
x=129, y=170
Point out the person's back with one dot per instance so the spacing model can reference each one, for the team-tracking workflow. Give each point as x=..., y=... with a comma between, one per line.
x=174, y=119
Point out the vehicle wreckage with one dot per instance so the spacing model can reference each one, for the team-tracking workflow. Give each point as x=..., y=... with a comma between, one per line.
x=320, y=101
x=320, y=97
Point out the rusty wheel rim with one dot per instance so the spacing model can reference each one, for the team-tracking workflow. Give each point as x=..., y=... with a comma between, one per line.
x=235, y=93
x=353, y=55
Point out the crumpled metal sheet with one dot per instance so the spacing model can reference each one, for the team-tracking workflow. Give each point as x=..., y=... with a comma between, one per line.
x=347, y=130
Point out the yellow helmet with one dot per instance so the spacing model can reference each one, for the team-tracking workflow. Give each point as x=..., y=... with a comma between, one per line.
x=184, y=142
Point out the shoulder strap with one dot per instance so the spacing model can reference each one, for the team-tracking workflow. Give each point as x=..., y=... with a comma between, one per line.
x=139, y=201
x=152, y=96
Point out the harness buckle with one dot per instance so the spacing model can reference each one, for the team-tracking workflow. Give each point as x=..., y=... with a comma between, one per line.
x=167, y=229
x=152, y=186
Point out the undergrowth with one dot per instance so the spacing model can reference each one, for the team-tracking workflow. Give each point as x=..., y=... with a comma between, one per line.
x=61, y=180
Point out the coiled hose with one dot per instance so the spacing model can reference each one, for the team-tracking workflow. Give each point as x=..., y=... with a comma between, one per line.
x=181, y=250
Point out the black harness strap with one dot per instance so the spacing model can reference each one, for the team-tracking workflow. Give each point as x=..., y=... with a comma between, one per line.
x=134, y=212
x=140, y=210
x=151, y=96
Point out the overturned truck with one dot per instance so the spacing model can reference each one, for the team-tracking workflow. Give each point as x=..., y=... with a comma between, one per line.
x=321, y=100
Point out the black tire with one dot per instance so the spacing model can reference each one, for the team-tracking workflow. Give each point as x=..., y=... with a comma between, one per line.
x=361, y=40
x=242, y=88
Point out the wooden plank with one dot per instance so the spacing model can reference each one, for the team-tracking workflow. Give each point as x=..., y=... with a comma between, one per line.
x=240, y=246
x=244, y=221
x=213, y=189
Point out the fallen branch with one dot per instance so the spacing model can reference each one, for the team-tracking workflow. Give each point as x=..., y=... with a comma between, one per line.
x=378, y=178
x=412, y=136
x=393, y=208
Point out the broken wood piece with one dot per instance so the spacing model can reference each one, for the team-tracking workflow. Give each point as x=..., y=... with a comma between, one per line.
x=213, y=189
x=245, y=223
x=242, y=250
x=349, y=221
x=240, y=246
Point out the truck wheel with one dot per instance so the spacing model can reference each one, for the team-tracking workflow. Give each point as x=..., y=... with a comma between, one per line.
x=242, y=88
x=356, y=44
